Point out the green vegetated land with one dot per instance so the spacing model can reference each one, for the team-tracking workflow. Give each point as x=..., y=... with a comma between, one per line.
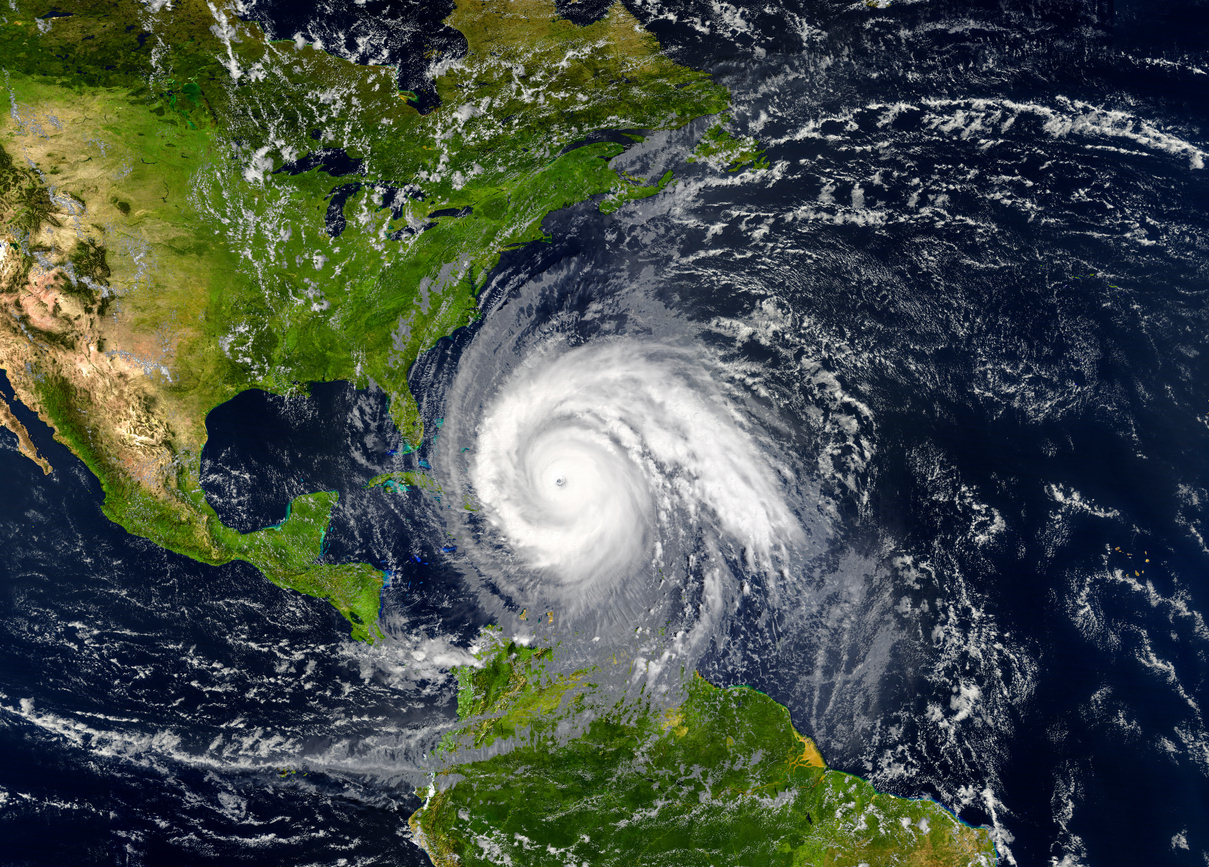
x=722, y=779
x=720, y=149
x=178, y=226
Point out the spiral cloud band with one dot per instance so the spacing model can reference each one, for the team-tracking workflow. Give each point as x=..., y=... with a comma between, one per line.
x=595, y=463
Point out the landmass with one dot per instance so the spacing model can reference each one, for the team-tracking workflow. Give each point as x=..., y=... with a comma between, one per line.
x=722, y=150
x=722, y=778
x=189, y=209
x=25, y=443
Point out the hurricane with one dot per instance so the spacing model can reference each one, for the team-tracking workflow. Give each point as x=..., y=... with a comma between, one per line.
x=600, y=473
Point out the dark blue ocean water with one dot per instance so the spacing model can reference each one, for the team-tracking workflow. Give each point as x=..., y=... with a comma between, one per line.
x=974, y=289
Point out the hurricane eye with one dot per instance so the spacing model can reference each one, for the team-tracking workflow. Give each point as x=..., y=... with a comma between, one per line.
x=561, y=482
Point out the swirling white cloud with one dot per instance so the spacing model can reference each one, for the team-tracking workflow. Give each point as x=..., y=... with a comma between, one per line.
x=591, y=461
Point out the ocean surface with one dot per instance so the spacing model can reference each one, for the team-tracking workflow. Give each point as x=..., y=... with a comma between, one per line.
x=909, y=431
